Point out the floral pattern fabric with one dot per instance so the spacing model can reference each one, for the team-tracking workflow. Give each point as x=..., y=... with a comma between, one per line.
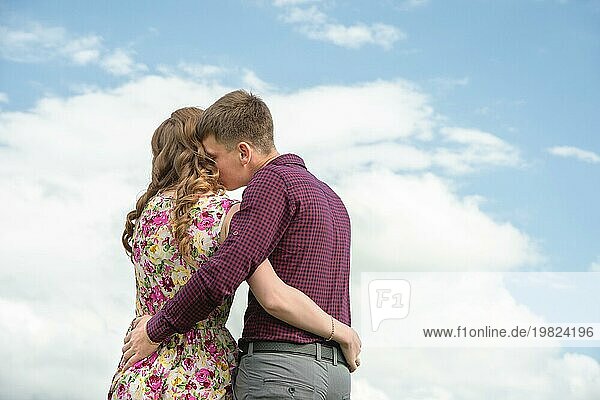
x=196, y=365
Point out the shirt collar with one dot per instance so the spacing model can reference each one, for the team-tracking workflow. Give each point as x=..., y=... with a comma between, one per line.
x=288, y=159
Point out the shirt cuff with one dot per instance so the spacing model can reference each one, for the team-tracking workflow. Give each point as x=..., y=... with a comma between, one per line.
x=158, y=328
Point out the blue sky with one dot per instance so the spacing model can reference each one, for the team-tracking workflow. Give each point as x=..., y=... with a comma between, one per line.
x=489, y=107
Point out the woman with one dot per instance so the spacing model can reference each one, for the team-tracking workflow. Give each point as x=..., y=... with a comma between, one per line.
x=177, y=225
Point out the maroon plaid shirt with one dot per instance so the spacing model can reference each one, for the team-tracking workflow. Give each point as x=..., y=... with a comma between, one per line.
x=296, y=221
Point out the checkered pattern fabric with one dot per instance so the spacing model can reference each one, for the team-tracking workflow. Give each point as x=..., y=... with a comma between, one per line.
x=301, y=225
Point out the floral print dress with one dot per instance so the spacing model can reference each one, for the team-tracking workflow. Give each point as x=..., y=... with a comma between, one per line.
x=196, y=365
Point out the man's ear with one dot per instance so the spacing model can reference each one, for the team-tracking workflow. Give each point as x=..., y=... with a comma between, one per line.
x=245, y=152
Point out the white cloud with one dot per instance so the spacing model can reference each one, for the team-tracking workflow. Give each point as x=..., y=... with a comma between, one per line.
x=421, y=224
x=466, y=373
x=450, y=83
x=574, y=152
x=201, y=70
x=362, y=390
x=409, y=4
x=595, y=266
x=474, y=374
x=332, y=118
x=39, y=43
x=73, y=166
x=356, y=35
x=120, y=62
x=337, y=123
x=254, y=83
x=315, y=24
x=281, y=3
x=477, y=148
x=84, y=50
x=3, y=97
x=310, y=15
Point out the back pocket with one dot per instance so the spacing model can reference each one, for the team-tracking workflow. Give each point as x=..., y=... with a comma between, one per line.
x=281, y=389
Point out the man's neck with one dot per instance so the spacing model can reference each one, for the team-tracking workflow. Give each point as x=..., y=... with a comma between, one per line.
x=264, y=160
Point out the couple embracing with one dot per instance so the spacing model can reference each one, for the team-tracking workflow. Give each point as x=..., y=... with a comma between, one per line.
x=192, y=246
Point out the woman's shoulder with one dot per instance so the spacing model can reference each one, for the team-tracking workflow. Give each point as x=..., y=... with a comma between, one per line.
x=214, y=202
x=159, y=201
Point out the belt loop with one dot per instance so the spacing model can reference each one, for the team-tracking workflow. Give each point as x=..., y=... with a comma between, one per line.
x=250, y=348
x=318, y=351
x=335, y=355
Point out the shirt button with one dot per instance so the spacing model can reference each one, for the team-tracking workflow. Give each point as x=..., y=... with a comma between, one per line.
x=234, y=233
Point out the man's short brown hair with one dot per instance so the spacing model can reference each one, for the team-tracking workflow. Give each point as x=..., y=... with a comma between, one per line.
x=239, y=116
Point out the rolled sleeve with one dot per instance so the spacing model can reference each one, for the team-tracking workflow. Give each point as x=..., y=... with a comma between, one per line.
x=158, y=328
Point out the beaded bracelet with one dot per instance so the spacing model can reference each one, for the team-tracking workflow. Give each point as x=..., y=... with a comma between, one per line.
x=332, y=329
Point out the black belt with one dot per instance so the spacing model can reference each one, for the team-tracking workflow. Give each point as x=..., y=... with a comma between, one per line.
x=309, y=349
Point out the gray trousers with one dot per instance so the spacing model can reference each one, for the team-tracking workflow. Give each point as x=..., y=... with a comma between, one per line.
x=290, y=376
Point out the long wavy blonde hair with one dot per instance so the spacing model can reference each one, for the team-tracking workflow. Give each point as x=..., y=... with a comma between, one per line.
x=179, y=163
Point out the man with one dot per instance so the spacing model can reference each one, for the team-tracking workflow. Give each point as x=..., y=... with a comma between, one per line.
x=288, y=216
